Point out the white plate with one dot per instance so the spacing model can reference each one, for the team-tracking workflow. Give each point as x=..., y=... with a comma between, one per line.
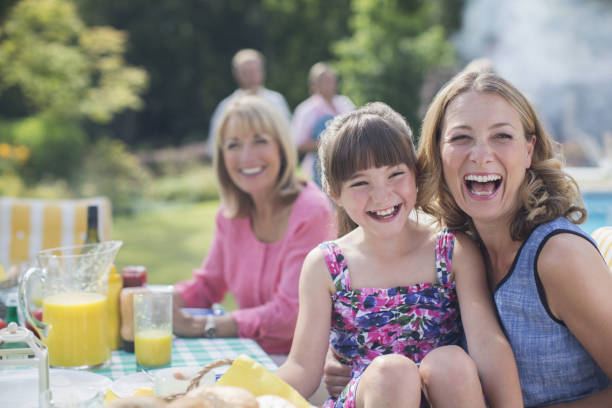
x=67, y=386
x=127, y=385
x=76, y=388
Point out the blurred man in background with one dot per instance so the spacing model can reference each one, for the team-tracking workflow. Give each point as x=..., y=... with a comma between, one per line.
x=248, y=68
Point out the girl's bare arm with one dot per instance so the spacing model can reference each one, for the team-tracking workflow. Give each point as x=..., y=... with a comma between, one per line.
x=304, y=366
x=487, y=345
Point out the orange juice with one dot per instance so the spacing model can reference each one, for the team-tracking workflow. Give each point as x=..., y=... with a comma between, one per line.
x=153, y=347
x=78, y=335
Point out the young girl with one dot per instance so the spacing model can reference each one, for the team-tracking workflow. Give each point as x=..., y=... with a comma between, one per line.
x=386, y=294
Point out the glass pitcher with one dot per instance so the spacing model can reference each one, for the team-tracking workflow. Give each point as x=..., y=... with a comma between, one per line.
x=71, y=283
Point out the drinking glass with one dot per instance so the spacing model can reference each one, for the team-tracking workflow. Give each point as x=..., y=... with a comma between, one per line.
x=153, y=327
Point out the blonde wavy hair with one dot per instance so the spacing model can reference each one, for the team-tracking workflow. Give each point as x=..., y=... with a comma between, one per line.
x=260, y=116
x=547, y=191
x=373, y=135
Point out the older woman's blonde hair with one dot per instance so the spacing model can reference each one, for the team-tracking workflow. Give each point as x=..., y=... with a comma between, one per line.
x=260, y=116
x=547, y=191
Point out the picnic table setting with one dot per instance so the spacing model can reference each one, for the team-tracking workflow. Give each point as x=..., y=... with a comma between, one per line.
x=96, y=338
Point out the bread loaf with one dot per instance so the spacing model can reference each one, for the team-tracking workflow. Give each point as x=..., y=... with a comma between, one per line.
x=273, y=401
x=224, y=396
x=140, y=401
x=189, y=402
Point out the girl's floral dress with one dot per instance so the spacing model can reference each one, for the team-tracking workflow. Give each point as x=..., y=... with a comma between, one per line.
x=408, y=320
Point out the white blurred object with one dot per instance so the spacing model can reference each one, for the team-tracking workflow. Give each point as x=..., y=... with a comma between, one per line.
x=19, y=348
x=58, y=388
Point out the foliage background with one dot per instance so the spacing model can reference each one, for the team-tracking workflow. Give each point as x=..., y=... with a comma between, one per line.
x=114, y=97
x=381, y=47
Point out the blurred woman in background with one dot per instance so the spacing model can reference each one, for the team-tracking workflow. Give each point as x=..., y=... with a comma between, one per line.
x=311, y=116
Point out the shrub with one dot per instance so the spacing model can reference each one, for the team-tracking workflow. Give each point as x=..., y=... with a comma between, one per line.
x=194, y=183
x=55, y=147
x=111, y=170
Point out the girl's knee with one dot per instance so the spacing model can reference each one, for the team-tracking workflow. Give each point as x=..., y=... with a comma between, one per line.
x=393, y=366
x=450, y=362
x=391, y=377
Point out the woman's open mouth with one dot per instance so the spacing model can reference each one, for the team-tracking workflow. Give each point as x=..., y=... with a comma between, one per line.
x=386, y=213
x=482, y=186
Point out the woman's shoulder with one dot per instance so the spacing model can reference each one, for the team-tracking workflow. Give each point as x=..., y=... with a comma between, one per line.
x=564, y=250
x=225, y=222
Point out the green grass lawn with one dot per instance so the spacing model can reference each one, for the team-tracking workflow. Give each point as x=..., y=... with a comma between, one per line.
x=169, y=240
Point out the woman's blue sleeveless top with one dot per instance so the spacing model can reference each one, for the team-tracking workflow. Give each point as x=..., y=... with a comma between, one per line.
x=553, y=366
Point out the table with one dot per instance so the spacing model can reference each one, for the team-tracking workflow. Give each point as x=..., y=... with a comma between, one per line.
x=192, y=352
x=185, y=352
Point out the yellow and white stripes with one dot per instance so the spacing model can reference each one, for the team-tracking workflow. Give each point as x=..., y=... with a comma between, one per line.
x=603, y=237
x=29, y=225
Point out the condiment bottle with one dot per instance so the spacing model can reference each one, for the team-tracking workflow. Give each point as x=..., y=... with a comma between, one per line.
x=134, y=279
x=115, y=285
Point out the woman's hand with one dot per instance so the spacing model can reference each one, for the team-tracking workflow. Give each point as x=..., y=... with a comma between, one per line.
x=184, y=324
x=335, y=374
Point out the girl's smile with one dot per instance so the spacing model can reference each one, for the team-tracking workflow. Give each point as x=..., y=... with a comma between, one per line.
x=385, y=214
x=379, y=196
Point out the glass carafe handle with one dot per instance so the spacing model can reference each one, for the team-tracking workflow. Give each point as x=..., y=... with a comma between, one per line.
x=24, y=304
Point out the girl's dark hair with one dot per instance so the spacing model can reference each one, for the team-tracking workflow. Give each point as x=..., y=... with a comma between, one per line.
x=371, y=136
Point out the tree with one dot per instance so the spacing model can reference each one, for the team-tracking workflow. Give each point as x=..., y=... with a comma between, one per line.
x=64, y=68
x=303, y=34
x=187, y=47
x=56, y=76
x=382, y=47
x=394, y=44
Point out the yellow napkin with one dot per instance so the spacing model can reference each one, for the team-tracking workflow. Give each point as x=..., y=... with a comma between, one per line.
x=248, y=373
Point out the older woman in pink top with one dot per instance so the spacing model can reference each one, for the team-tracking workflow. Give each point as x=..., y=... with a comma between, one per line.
x=267, y=223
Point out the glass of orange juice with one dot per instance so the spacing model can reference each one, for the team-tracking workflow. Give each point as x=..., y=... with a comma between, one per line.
x=153, y=327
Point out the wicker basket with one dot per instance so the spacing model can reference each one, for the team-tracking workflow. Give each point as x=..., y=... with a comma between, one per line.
x=195, y=381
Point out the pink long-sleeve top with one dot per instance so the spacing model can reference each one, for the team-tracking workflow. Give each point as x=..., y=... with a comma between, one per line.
x=263, y=277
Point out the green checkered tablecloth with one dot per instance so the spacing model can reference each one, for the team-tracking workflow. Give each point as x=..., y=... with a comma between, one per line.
x=192, y=352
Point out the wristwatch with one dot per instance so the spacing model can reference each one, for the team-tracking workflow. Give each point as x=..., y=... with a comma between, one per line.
x=210, y=329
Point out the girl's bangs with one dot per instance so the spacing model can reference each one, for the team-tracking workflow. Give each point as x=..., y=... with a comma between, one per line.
x=375, y=144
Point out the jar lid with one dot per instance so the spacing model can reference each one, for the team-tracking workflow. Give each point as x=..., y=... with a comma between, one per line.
x=134, y=276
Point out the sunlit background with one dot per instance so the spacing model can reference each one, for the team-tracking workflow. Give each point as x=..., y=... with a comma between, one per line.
x=114, y=98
